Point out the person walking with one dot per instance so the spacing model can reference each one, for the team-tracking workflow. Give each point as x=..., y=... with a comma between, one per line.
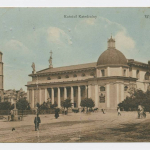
x=56, y=113
x=37, y=121
x=118, y=110
x=103, y=111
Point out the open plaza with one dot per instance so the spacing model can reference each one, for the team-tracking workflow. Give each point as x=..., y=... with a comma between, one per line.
x=78, y=127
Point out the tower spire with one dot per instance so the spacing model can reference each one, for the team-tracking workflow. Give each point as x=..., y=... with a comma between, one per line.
x=50, y=60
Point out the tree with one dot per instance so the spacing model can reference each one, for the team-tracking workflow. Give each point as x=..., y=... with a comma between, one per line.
x=53, y=105
x=22, y=104
x=66, y=103
x=5, y=106
x=87, y=102
x=138, y=97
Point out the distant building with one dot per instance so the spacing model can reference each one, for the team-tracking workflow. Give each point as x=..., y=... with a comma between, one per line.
x=13, y=95
x=106, y=81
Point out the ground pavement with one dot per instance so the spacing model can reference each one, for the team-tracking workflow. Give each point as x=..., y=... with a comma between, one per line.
x=78, y=127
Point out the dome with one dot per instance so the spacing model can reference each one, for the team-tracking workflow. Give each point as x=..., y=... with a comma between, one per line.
x=112, y=57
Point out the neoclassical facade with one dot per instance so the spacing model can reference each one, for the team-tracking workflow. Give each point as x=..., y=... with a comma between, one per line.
x=106, y=81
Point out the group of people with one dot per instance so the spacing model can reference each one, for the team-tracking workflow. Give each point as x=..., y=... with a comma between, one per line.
x=141, y=114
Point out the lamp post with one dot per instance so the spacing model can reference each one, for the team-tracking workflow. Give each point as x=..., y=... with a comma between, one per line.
x=15, y=110
x=36, y=94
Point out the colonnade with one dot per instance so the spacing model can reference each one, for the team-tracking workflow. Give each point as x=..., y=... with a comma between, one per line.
x=33, y=100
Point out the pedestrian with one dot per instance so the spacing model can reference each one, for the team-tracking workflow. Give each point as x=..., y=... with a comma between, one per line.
x=65, y=111
x=103, y=111
x=12, y=115
x=56, y=113
x=118, y=109
x=37, y=121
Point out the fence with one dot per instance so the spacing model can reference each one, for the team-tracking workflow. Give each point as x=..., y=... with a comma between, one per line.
x=29, y=112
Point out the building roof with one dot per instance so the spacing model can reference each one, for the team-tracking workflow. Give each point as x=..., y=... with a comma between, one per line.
x=137, y=63
x=112, y=56
x=68, y=68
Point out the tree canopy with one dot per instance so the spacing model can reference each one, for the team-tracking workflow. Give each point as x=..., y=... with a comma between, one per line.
x=22, y=104
x=138, y=97
x=5, y=105
x=87, y=102
x=66, y=103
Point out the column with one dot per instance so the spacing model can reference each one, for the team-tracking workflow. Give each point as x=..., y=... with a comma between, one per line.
x=108, y=95
x=46, y=95
x=59, y=105
x=86, y=88
x=79, y=96
x=32, y=103
x=28, y=95
x=96, y=95
x=52, y=94
x=65, y=93
x=117, y=93
x=40, y=96
x=89, y=91
x=122, y=92
x=72, y=96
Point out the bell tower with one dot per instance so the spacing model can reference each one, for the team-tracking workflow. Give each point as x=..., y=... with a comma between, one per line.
x=1, y=78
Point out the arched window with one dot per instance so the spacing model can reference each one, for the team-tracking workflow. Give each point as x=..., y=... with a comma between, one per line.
x=59, y=77
x=67, y=76
x=74, y=75
x=83, y=74
x=92, y=74
x=103, y=73
x=147, y=74
x=48, y=78
x=125, y=88
x=102, y=88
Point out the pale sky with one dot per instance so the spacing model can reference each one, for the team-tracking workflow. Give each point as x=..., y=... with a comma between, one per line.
x=28, y=35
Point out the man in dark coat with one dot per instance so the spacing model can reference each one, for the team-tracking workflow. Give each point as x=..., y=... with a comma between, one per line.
x=37, y=121
x=57, y=112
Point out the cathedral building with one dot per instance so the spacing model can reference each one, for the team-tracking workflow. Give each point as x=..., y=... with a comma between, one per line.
x=106, y=81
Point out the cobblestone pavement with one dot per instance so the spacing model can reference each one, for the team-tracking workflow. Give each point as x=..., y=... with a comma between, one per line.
x=80, y=127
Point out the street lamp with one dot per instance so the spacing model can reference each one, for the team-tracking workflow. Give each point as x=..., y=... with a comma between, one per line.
x=36, y=94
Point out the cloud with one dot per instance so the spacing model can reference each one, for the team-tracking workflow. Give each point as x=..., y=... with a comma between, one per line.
x=58, y=36
x=124, y=42
x=16, y=46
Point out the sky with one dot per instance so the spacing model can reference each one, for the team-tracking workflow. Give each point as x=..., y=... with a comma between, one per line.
x=29, y=34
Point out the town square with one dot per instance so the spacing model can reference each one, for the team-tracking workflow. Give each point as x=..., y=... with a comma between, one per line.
x=79, y=76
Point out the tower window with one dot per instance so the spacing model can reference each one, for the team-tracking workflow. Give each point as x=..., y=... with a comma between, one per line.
x=103, y=73
x=124, y=72
x=137, y=73
x=102, y=88
x=125, y=88
x=147, y=76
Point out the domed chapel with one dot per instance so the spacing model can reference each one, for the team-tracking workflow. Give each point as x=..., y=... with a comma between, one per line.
x=106, y=81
